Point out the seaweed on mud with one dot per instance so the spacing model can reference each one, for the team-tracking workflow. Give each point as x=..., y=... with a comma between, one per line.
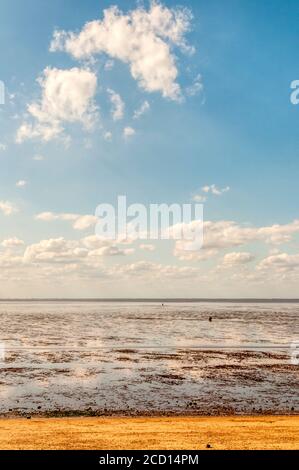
x=126, y=359
x=15, y=370
x=164, y=378
x=161, y=357
x=126, y=351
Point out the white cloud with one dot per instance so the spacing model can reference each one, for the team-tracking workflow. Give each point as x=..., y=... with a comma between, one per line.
x=214, y=190
x=21, y=183
x=79, y=222
x=223, y=234
x=118, y=106
x=12, y=243
x=281, y=262
x=144, y=269
x=108, y=136
x=199, y=198
x=278, y=234
x=85, y=260
x=144, y=108
x=218, y=235
x=128, y=132
x=111, y=250
x=67, y=97
x=8, y=208
x=196, y=88
x=93, y=242
x=237, y=258
x=45, y=132
x=84, y=252
x=54, y=250
x=144, y=39
x=83, y=222
x=9, y=260
x=50, y=216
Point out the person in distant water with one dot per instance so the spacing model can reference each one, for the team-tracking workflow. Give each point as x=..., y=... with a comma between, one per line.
x=210, y=319
x=162, y=305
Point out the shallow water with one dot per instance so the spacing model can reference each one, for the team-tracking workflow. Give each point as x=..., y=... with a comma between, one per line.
x=141, y=357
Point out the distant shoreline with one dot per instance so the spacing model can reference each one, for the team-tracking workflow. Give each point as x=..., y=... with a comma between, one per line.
x=156, y=300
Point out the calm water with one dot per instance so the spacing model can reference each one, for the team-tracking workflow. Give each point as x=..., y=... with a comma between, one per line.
x=142, y=357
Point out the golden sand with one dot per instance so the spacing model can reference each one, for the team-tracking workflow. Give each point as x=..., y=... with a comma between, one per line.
x=189, y=433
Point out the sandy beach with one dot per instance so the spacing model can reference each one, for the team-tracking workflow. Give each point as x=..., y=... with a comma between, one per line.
x=143, y=433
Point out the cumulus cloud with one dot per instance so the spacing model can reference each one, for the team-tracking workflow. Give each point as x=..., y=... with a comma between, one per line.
x=279, y=234
x=79, y=222
x=83, y=222
x=218, y=235
x=13, y=242
x=118, y=106
x=93, y=242
x=85, y=259
x=144, y=39
x=87, y=251
x=222, y=235
x=144, y=108
x=128, y=132
x=9, y=260
x=224, y=240
x=67, y=96
x=281, y=262
x=54, y=250
x=144, y=269
x=8, y=208
x=111, y=250
x=237, y=258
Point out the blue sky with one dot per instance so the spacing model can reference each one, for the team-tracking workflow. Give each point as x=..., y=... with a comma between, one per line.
x=239, y=130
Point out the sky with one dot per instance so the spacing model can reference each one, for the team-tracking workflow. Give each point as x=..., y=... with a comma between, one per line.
x=163, y=102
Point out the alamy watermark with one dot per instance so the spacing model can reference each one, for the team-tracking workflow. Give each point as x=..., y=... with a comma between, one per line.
x=2, y=93
x=295, y=93
x=153, y=222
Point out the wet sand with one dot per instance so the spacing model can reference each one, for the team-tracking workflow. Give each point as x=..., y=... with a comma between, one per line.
x=143, y=433
x=93, y=359
x=143, y=383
